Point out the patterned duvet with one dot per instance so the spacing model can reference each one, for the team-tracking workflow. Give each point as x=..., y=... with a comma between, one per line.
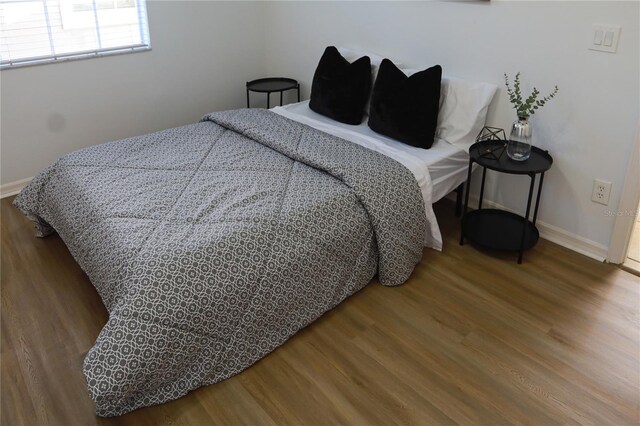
x=213, y=243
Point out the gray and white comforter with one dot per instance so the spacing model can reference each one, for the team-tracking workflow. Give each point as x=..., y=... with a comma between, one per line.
x=213, y=243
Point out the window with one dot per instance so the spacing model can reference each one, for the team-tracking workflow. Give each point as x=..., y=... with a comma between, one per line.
x=42, y=31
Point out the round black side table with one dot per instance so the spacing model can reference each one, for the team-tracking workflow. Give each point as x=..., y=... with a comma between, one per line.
x=498, y=229
x=270, y=85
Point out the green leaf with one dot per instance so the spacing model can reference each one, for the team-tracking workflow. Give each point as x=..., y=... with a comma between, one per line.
x=529, y=104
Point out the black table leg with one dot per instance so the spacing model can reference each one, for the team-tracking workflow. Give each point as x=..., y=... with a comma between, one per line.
x=535, y=209
x=466, y=200
x=281, y=97
x=484, y=175
x=298, y=87
x=268, y=99
x=248, y=98
x=525, y=225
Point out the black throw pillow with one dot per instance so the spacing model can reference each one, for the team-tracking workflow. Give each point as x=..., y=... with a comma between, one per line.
x=340, y=89
x=406, y=108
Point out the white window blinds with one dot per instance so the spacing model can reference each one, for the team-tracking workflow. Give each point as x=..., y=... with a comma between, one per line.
x=40, y=31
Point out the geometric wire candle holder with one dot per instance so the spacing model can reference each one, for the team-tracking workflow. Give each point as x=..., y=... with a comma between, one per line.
x=492, y=134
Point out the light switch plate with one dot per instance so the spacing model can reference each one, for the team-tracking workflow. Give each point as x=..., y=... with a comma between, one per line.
x=605, y=38
x=597, y=37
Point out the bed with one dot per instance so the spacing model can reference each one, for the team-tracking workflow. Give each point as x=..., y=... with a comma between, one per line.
x=438, y=170
x=213, y=243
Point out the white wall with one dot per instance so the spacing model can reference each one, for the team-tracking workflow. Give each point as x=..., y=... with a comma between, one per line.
x=202, y=55
x=203, y=52
x=589, y=128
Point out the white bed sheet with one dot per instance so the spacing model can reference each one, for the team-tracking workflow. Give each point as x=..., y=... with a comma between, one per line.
x=438, y=170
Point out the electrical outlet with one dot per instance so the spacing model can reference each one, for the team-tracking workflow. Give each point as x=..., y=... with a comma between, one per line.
x=601, y=192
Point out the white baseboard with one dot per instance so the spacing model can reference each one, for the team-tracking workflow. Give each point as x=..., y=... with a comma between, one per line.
x=553, y=233
x=12, y=188
x=572, y=241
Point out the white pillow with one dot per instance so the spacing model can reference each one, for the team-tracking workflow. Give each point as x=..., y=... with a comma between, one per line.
x=463, y=109
x=351, y=55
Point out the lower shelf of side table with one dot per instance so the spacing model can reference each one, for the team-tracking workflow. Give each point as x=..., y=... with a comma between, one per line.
x=498, y=230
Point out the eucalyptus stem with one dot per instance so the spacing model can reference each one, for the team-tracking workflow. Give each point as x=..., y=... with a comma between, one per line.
x=526, y=107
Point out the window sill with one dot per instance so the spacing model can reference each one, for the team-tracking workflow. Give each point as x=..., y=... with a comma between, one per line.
x=75, y=57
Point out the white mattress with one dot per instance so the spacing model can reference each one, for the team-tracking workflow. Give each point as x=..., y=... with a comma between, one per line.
x=438, y=170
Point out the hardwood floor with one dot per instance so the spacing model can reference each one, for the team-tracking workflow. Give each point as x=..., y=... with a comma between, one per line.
x=472, y=338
